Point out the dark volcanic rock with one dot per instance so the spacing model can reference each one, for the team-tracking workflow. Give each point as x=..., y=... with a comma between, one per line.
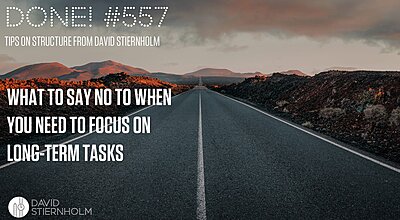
x=361, y=108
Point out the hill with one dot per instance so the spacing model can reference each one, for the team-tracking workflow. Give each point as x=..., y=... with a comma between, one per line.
x=77, y=73
x=212, y=72
x=294, y=72
x=95, y=70
x=41, y=70
x=100, y=69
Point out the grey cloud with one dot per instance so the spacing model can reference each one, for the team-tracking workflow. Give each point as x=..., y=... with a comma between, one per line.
x=5, y=59
x=196, y=20
x=171, y=64
x=229, y=48
x=8, y=63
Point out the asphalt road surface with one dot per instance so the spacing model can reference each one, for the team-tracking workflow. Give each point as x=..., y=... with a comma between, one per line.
x=211, y=157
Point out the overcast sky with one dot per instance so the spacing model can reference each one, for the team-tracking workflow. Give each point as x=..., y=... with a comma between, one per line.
x=244, y=36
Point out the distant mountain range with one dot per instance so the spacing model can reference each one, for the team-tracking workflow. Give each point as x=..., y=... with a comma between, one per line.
x=85, y=72
x=211, y=72
x=42, y=70
x=100, y=69
x=294, y=72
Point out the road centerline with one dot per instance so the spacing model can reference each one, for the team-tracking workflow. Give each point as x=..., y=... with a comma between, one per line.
x=201, y=192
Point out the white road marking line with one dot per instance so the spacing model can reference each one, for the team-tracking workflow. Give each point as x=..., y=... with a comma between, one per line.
x=317, y=136
x=201, y=191
x=86, y=134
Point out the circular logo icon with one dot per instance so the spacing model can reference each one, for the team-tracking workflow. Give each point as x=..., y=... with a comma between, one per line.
x=18, y=207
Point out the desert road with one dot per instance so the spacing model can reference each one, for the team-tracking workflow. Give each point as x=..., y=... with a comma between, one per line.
x=210, y=157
